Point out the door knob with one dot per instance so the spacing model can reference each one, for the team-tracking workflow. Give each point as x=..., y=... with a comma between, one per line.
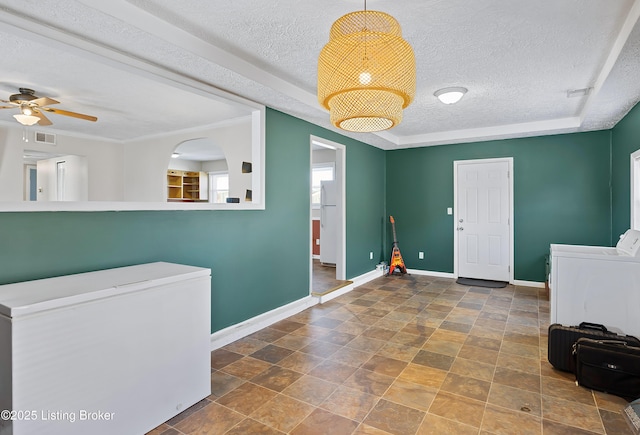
x=460, y=221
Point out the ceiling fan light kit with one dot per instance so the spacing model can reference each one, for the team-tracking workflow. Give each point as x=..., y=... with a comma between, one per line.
x=26, y=119
x=366, y=72
x=31, y=108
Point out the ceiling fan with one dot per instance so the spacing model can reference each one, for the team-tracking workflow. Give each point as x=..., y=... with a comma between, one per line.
x=32, y=108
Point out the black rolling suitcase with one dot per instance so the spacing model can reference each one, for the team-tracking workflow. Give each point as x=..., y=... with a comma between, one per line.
x=562, y=339
x=611, y=366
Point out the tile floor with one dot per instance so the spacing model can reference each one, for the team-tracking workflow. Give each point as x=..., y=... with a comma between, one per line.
x=324, y=278
x=401, y=355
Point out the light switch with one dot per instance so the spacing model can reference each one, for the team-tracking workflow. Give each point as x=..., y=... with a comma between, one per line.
x=420, y=255
x=449, y=210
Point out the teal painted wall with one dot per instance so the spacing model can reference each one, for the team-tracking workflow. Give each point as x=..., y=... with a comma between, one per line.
x=625, y=140
x=561, y=195
x=365, y=186
x=259, y=259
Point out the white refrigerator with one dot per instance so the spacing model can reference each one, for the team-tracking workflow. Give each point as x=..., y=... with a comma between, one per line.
x=328, y=222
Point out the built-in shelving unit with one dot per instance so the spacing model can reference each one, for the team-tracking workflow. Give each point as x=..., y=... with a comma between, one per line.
x=174, y=185
x=187, y=186
x=191, y=185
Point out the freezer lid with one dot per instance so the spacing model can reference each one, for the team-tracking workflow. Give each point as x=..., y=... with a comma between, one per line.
x=34, y=296
x=629, y=243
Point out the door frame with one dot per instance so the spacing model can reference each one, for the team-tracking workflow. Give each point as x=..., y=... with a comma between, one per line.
x=634, y=219
x=457, y=163
x=340, y=178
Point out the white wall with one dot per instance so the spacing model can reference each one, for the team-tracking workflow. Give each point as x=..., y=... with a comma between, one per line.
x=235, y=141
x=215, y=166
x=185, y=165
x=132, y=171
x=75, y=184
x=147, y=160
x=104, y=160
x=321, y=156
x=11, y=179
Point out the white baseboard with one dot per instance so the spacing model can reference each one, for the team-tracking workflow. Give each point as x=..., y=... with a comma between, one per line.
x=239, y=330
x=451, y=275
x=430, y=273
x=334, y=294
x=366, y=277
x=528, y=283
x=254, y=324
x=356, y=282
x=235, y=332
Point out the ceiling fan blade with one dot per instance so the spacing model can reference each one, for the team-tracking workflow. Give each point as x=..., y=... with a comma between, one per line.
x=44, y=101
x=67, y=113
x=7, y=107
x=43, y=119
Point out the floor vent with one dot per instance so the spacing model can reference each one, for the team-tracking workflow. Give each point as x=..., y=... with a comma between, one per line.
x=47, y=138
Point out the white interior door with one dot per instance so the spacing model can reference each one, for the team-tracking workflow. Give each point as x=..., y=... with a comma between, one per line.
x=61, y=169
x=483, y=214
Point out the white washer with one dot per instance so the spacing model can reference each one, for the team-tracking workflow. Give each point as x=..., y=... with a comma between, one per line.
x=597, y=284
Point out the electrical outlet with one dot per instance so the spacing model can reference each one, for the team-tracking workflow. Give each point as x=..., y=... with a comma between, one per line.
x=371, y=255
x=420, y=255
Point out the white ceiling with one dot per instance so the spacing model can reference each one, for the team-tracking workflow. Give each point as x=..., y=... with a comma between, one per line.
x=146, y=67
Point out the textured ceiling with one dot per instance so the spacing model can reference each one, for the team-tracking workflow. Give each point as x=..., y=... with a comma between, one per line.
x=147, y=67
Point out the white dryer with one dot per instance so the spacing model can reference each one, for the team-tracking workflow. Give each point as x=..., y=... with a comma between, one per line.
x=597, y=284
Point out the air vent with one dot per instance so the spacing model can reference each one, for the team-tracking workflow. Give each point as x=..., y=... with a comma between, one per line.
x=573, y=93
x=47, y=138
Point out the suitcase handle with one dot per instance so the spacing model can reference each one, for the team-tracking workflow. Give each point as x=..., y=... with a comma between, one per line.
x=583, y=340
x=611, y=342
x=596, y=326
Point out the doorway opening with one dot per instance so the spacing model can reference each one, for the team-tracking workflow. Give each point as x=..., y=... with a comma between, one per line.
x=327, y=204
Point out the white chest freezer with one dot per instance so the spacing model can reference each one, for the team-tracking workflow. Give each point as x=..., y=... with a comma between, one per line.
x=597, y=284
x=116, y=351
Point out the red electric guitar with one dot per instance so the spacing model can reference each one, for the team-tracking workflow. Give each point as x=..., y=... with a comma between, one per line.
x=396, y=258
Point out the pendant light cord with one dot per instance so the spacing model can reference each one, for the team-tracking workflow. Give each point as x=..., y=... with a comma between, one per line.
x=365, y=29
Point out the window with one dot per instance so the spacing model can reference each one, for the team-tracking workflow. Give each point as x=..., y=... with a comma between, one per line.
x=320, y=172
x=219, y=182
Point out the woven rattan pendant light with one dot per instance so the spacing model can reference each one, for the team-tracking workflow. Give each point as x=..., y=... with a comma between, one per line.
x=366, y=72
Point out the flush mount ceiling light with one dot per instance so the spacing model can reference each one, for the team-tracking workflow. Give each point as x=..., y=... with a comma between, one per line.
x=26, y=119
x=366, y=72
x=450, y=95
